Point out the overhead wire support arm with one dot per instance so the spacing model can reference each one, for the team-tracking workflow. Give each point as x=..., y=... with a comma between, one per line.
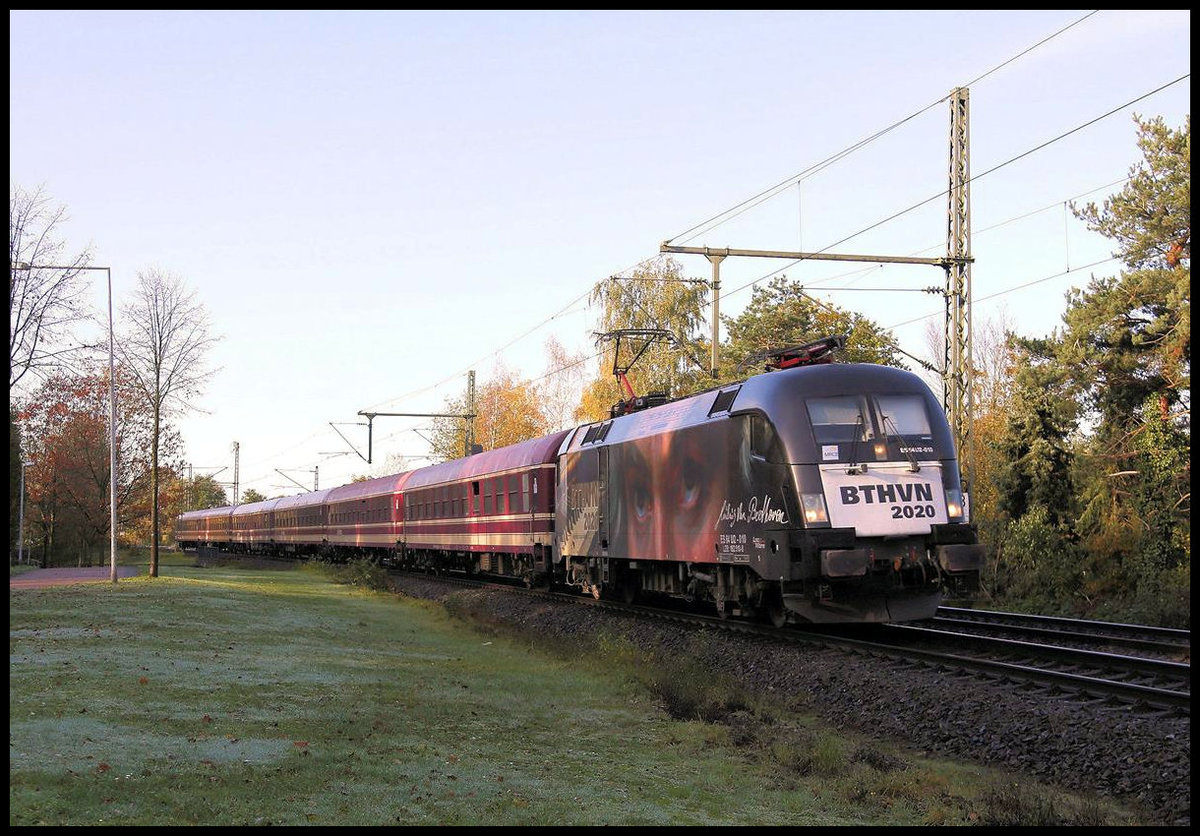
x=371, y=416
x=314, y=472
x=723, y=252
x=718, y=254
x=366, y=458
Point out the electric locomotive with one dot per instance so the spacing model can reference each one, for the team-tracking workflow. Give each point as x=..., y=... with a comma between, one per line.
x=818, y=493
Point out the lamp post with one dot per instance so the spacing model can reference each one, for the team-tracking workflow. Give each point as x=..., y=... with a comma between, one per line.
x=112, y=409
x=21, y=517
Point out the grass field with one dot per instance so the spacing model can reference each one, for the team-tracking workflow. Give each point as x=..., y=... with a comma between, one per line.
x=230, y=696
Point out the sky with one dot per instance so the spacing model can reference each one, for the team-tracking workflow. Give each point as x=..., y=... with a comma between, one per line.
x=371, y=204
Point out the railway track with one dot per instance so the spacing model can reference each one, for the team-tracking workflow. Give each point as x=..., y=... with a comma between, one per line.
x=1131, y=679
x=1157, y=642
x=1112, y=679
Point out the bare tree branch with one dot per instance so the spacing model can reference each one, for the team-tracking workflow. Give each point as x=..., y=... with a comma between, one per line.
x=43, y=304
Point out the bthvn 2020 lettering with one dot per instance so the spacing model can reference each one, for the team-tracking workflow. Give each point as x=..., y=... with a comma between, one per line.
x=870, y=494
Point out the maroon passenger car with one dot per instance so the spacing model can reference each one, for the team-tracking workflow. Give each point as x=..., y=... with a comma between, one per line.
x=491, y=512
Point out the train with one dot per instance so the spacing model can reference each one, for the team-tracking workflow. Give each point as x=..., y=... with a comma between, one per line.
x=814, y=492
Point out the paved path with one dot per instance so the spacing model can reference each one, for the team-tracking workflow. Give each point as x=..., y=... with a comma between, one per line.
x=62, y=576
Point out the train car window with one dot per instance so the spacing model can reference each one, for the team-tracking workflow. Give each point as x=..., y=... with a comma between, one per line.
x=489, y=496
x=840, y=420
x=904, y=415
x=524, y=493
x=514, y=488
x=474, y=497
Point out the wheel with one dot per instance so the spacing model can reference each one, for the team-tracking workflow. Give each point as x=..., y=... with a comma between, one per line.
x=774, y=608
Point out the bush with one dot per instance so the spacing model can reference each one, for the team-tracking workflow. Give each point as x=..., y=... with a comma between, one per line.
x=362, y=572
x=1038, y=567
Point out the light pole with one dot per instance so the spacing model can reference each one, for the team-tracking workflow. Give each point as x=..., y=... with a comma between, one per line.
x=112, y=408
x=21, y=517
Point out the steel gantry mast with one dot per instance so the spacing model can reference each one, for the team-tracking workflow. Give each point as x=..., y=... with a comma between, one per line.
x=957, y=378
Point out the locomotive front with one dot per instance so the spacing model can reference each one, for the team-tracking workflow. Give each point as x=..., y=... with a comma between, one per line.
x=882, y=529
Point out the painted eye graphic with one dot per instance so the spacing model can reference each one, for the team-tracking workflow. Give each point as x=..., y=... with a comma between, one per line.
x=641, y=501
x=689, y=484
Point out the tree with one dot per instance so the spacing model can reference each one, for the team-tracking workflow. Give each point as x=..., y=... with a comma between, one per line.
x=43, y=304
x=562, y=386
x=1127, y=348
x=165, y=347
x=200, y=492
x=657, y=297
x=995, y=360
x=1034, y=451
x=16, y=455
x=251, y=495
x=1150, y=219
x=782, y=314
x=507, y=411
x=66, y=420
x=1130, y=336
x=1096, y=455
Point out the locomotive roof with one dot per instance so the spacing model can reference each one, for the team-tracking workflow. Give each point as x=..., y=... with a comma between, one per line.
x=776, y=394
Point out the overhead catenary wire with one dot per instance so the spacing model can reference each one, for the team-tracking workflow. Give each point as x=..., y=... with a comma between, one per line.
x=767, y=194
x=973, y=179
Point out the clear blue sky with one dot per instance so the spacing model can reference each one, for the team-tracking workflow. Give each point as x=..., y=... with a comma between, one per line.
x=371, y=203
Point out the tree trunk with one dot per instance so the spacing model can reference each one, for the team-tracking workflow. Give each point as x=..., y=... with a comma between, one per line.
x=154, y=496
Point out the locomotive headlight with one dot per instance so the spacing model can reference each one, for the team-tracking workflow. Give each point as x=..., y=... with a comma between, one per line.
x=954, y=504
x=881, y=451
x=814, y=508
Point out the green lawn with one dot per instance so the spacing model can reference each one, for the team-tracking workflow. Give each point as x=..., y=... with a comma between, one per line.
x=227, y=696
